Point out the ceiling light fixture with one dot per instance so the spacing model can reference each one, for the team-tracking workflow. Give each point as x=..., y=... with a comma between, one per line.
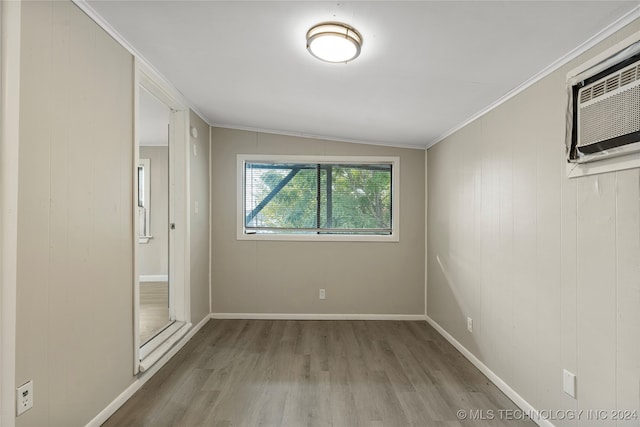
x=334, y=42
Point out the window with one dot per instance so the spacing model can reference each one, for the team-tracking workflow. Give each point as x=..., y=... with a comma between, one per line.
x=318, y=198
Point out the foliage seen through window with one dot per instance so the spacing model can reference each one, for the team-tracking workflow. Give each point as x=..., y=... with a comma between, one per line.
x=318, y=198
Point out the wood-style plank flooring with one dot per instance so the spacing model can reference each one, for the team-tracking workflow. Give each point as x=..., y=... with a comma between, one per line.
x=315, y=373
x=154, y=309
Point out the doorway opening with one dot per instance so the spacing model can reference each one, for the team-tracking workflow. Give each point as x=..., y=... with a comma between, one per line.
x=161, y=291
x=153, y=216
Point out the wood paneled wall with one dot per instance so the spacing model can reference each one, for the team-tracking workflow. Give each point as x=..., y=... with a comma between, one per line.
x=548, y=267
x=74, y=284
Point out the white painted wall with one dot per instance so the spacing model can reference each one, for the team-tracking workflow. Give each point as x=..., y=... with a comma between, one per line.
x=9, y=137
x=548, y=267
x=74, y=332
x=74, y=270
x=284, y=276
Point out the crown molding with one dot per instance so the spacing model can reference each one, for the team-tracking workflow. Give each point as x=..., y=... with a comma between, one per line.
x=119, y=38
x=608, y=31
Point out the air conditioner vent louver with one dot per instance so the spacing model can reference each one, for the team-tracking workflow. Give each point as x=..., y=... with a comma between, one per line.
x=613, y=83
x=629, y=76
x=609, y=111
x=598, y=90
x=585, y=96
x=623, y=78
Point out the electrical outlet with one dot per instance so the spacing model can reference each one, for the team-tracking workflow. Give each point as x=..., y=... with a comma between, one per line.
x=469, y=324
x=322, y=294
x=24, y=397
x=569, y=383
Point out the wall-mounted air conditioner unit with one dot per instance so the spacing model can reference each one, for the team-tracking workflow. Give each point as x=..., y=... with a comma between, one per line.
x=603, y=116
x=608, y=114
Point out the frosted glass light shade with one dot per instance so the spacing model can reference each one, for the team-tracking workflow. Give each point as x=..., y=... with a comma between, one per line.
x=334, y=42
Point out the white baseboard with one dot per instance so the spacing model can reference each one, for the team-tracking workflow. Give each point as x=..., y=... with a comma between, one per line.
x=319, y=316
x=142, y=378
x=499, y=382
x=154, y=278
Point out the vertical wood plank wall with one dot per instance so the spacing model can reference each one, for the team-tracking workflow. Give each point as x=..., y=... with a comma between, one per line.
x=74, y=284
x=548, y=267
x=284, y=276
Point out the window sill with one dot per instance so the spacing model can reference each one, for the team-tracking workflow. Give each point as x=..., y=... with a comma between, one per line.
x=144, y=239
x=393, y=238
x=629, y=161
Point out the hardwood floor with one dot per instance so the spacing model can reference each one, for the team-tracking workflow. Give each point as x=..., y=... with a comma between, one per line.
x=154, y=309
x=316, y=373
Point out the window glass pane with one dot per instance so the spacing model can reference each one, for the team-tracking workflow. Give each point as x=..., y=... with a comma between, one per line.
x=280, y=195
x=357, y=196
x=287, y=198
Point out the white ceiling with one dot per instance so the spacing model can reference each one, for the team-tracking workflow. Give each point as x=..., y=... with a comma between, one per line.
x=425, y=67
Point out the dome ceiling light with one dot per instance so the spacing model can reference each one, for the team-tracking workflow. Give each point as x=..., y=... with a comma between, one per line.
x=334, y=42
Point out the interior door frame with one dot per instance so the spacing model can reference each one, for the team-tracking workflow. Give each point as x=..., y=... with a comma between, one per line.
x=179, y=255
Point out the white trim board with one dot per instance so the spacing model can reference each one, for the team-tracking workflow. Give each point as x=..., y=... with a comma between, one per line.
x=499, y=382
x=317, y=316
x=142, y=378
x=179, y=251
x=314, y=136
x=611, y=29
x=426, y=229
x=210, y=216
x=243, y=159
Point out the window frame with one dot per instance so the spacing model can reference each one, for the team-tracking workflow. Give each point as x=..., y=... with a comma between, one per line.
x=242, y=159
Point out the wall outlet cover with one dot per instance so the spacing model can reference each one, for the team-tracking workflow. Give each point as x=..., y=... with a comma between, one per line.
x=569, y=383
x=24, y=398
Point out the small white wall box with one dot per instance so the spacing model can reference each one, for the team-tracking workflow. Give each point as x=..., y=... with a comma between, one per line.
x=569, y=383
x=24, y=398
